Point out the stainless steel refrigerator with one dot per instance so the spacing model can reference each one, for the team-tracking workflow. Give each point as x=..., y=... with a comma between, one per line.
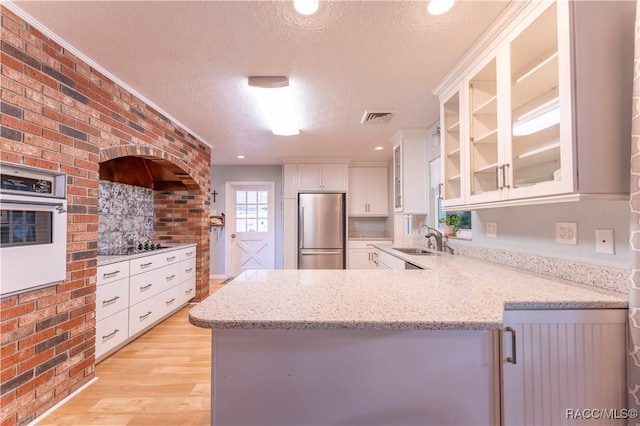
x=321, y=225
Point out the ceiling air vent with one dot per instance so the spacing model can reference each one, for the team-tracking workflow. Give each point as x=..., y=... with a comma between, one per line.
x=377, y=117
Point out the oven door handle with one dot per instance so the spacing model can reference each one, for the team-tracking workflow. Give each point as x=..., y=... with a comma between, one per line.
x=59, y=206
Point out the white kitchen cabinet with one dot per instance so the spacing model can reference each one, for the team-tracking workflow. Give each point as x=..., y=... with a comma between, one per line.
x=538, y=112
x=322, y=177
x=361, y=255
x=187, y=274
x=384, y=260
x=410, y=173
x=368, y=191
x=559, y=360
x=134, y=295
x=290, y=233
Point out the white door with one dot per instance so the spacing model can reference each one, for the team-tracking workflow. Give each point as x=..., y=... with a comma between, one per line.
x=250, y=226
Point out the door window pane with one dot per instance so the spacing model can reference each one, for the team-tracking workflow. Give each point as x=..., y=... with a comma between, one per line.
x=252, y=211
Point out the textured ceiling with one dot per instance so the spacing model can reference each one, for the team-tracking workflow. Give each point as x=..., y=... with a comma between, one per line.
x=192, y=60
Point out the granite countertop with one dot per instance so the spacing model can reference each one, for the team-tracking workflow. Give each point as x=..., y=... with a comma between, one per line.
x=107, y=259
x=454, y=293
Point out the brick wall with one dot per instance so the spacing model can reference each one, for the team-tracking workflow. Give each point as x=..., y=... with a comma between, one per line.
x=59, y=113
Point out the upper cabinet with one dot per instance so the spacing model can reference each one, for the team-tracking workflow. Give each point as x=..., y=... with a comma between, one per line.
x=540, y=109
x=322, y=177
x=368, y=191
x=410, y=173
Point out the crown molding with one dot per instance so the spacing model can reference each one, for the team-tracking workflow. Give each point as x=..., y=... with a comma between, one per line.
x=53, y=36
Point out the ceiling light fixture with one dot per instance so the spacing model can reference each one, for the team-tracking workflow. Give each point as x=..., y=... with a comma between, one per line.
x=306, y=7
x=438, y=7
x=274, y=97
x=241, y=157
x=379, y=148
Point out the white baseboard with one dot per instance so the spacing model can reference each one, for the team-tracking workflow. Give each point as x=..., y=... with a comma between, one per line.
x=61, y=403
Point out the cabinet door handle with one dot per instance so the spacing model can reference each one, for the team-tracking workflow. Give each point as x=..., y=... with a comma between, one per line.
x=145, y=287
x=505, y=175
x=188, y=291
x=170, y=277
x=144, y=265
x=189, y=254
x=145, y=316
x=440, y=191
x=113, y=333
x=170, y=301
x=498, y=169
x=106, y=302
x=512, y=359
x=171, y=259
x=110, y=274
x=188, y=270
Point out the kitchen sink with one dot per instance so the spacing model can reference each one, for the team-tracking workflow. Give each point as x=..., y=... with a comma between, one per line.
x=414, y=251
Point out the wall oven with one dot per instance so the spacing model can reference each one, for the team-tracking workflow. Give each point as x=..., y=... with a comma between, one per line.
x=33, y=228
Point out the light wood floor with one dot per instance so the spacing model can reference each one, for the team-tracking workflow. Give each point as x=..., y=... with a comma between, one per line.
x=161, y=378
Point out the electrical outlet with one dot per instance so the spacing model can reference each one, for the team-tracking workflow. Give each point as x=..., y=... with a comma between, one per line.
x=566, y=232
x=492, y=229
x=604, y=241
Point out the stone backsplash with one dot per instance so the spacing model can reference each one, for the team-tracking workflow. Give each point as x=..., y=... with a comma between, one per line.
x=125, y=217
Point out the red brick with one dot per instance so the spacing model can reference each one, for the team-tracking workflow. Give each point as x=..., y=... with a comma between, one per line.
x=16, y=311
x=11, y=62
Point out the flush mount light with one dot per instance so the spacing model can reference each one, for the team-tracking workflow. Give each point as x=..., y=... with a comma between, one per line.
x=306, y=7
x=438, y=7
x=379, y=148
x=274, y=97
x=241, y=157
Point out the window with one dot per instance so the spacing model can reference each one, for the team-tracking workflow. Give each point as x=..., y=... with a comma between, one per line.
x=252, y=211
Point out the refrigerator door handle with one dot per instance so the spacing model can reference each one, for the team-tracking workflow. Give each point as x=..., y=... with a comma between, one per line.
x=312, y=253
x=301, y=227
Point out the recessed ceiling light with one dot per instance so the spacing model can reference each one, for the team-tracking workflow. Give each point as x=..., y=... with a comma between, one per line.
x=306, y=7
x=379, y=148
x=438, y=7
x=241, y=157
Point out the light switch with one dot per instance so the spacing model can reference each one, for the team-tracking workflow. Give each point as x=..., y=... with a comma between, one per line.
x=604, y=241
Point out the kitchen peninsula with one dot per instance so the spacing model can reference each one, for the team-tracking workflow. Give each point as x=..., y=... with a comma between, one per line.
x=403, y=347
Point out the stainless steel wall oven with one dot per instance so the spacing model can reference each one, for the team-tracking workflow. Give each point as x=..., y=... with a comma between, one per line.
x=33, y=228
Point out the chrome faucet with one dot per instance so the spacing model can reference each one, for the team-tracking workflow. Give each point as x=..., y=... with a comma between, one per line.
x=435, y=234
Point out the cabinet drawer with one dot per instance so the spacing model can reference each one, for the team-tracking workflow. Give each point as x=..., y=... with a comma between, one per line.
x=111, y=331
x=112, y=272
x=188, y=253
x=187, y=290
x=144, y=314
x=143, y=286
x=154, y=261
x=388, y=260
x=187, y=269
x=111, y=298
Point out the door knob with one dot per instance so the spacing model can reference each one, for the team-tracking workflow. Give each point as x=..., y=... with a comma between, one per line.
x=233, y=235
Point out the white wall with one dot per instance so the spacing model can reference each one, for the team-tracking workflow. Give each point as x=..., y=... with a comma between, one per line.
x=219, y=176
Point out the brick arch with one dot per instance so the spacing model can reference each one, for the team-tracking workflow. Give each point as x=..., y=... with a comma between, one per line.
x=174, y=164
x=181, y=215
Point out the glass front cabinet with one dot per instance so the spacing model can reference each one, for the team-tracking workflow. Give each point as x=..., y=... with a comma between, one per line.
x=538, y=113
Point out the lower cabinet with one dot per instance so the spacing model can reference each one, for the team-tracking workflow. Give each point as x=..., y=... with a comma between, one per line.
x=384, y=260
x=133, y=296
x=361, y=255
x=558, y=363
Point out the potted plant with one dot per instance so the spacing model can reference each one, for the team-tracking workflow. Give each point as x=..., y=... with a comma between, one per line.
x=451, y=223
